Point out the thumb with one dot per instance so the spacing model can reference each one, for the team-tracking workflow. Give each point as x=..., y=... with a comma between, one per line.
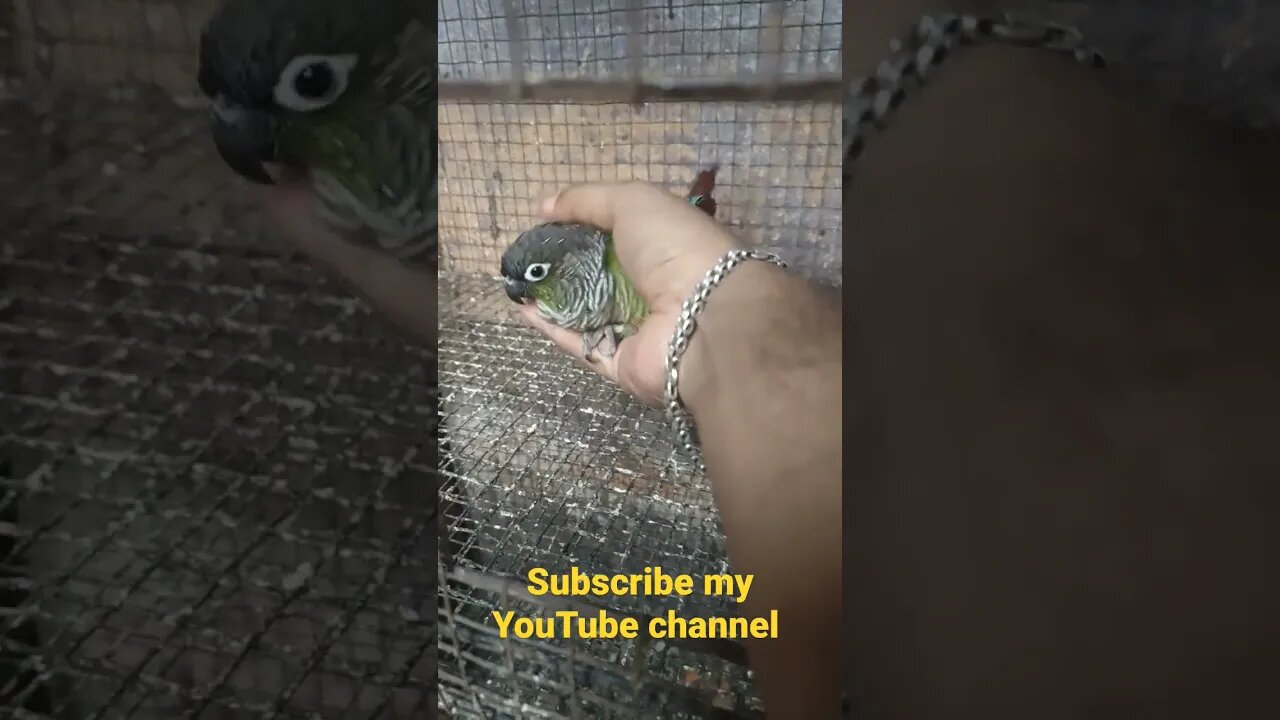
x=603, y=204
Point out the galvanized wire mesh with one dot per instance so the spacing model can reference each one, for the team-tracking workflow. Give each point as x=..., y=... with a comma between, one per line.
x=545, y=464
x=217, y=471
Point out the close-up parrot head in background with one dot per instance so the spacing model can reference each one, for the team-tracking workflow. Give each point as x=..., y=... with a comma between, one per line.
x=571, y=273
x=342, y=92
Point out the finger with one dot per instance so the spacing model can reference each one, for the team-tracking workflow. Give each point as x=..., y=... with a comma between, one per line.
x=286, y=198
x=290, y=214
x=568, y=341
x=406, y=294
x=601, y=204
x=641, y=363
x=592, y=204
x=292, y=221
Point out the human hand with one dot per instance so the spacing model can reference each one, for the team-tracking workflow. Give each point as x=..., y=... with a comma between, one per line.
x=665, y=246
x=404, y=293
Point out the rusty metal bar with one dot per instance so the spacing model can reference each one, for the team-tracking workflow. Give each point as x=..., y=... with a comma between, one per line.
x=519, y=53
x=823, y=88
x=771, y=45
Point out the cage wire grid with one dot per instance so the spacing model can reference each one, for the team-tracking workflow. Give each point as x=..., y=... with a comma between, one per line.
x=544, y=464
x=217, y=469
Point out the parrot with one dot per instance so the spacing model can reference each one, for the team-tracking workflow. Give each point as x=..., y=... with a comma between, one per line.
x=342, y=92
x=572, y=274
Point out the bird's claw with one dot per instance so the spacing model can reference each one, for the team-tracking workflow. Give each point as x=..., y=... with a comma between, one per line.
x=604, y=341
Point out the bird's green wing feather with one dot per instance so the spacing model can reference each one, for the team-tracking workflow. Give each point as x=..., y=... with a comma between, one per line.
x=629, y=307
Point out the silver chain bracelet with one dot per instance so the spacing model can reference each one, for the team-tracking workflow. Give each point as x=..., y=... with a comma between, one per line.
x=926, y=46
x=681, y=420
x=868, y=105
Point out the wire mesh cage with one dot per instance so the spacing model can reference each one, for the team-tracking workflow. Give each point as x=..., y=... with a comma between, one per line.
x=217, y=470
x=545, y=465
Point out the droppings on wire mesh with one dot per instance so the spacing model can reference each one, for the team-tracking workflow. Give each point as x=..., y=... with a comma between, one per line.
x=547, y=465
x=217, y=472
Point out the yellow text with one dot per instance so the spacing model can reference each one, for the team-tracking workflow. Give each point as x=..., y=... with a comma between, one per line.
x=739, y=586
x=567, y=624
x=673, y=627
x=653, y=581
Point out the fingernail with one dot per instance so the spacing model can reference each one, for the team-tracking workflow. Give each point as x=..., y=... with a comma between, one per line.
x=549, y=205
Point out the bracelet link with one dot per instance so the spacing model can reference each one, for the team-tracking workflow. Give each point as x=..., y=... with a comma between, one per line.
x=681, y=420
x=913, y=58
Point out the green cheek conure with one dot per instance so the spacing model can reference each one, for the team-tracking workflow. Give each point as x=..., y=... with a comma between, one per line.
x=340, y=91
x=572, y=274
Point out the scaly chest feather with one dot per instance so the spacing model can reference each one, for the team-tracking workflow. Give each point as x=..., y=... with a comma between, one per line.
x=374, y=172
x=591, y=293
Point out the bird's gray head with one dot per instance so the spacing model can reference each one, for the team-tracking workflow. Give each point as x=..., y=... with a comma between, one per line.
x=268, y=65
x=535, y=265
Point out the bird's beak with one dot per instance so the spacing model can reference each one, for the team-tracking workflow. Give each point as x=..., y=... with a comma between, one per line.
x=516, y=290
x=246, y=140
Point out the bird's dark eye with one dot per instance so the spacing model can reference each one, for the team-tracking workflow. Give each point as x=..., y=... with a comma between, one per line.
x=536, y=272
x=314, y=81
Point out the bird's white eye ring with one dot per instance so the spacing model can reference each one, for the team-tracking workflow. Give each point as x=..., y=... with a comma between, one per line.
x=313, y=82
x=536, y=271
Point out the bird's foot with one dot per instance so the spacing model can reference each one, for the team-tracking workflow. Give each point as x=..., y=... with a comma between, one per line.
x=603, y=341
